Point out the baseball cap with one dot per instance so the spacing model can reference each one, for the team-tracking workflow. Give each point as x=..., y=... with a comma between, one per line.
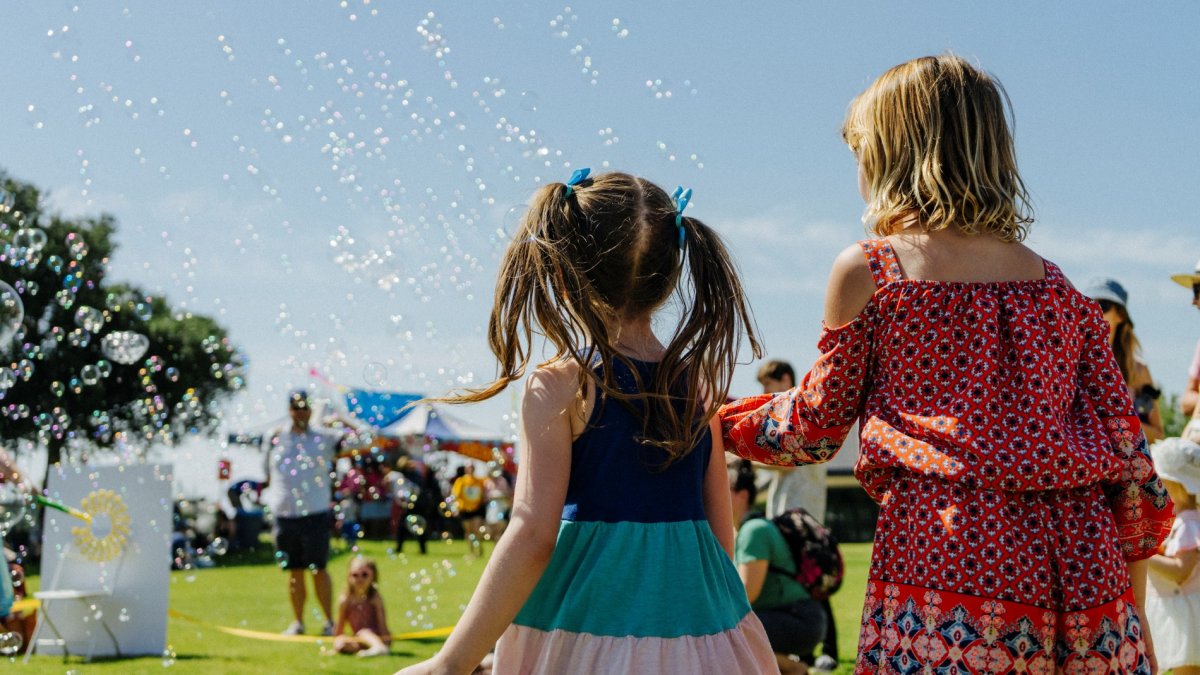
x=1107, y=289
x=298, y=399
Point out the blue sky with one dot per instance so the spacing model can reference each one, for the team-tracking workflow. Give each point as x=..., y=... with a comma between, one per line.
x=332, y=180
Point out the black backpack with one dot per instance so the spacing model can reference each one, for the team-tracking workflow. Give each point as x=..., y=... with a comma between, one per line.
x=819, y=564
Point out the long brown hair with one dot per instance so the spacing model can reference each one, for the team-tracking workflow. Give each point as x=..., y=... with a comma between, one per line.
x=1124, y=343
x=932, y=139
x=583, y=259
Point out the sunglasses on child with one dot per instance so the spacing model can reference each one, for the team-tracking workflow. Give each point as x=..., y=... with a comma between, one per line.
x=360, y=573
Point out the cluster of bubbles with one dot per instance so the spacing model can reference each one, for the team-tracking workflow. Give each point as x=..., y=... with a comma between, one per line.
x=423, y=585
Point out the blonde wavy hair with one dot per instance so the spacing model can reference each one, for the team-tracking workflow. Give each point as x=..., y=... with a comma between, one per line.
x=932, y=139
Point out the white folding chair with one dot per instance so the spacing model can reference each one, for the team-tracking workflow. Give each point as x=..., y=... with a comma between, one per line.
x=54, y=600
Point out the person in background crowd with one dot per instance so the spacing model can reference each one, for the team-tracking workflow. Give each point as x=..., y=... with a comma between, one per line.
x=299, y=466
x=803, y=486
x=468, y=491
x=794, y=621
x=1191, y=394
x=1114, y=301
x=1173, y=595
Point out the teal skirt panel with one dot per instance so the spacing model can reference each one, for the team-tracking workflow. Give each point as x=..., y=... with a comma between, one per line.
x=637, y=579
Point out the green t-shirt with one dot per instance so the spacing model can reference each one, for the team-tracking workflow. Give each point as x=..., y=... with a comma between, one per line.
x=759, y=539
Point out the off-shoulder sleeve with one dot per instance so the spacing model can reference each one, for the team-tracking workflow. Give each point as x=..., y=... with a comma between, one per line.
x=1140, y=505
x=808, y=423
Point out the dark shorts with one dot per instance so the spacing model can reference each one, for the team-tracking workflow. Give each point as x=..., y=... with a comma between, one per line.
x=477, y=513
x=305, y=540
x=794, y=629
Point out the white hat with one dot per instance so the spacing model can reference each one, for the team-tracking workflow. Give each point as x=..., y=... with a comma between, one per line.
x=1188, y=280
x=1178, y=460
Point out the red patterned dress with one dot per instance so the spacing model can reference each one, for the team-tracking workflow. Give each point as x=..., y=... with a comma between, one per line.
x=1012, y=475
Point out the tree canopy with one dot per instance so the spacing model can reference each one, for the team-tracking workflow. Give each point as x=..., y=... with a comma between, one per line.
x=86, y=359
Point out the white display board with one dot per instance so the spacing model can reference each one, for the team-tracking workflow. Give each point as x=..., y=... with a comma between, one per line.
x=126, y=550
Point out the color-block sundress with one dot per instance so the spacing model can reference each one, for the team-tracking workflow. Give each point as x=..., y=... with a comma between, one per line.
x=638, y=583
x=1012, y=475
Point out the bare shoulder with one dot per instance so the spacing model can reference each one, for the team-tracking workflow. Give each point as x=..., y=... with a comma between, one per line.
x=850, y=288
x=556, y=381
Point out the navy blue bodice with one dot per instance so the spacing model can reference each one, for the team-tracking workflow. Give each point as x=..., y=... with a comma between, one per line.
x=615, y=478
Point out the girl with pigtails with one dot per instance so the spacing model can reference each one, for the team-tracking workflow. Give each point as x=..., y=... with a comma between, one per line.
x=617, y=555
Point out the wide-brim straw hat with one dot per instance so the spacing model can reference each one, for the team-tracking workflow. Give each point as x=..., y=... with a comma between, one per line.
x=1188, y=280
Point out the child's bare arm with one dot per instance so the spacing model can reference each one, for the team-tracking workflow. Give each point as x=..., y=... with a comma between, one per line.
x=381, y=619
x=524, y=552
x=1177, y=568
x=341, y=619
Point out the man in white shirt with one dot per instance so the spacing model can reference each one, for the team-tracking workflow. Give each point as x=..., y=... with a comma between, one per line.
x=299, y=467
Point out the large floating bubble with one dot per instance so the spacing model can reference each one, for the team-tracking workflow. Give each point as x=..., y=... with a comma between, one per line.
x=12, y=505
x=89, y=318
x=218, y=546
x=30, y=238
x=415, y=524
x=12, y=313
x=124, y=346
x=10, y=643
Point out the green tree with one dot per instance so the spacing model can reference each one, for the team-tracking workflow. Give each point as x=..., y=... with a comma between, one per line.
x=1172, y=416
x=92, y=360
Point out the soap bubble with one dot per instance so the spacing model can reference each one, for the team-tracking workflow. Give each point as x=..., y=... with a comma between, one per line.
x=415, y=524
x=89, y=374
x=10, y=643
x=375, y=374
x=168, y=657
x=512, y=218
x=89, y=318
x=12, y=505
x=124, y=346
x=30, y=238
x=530, y=101
x=281, y=559
x=218, y=546
x=12, y=313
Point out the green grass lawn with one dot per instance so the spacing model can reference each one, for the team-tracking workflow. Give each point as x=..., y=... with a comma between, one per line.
x=421, y=592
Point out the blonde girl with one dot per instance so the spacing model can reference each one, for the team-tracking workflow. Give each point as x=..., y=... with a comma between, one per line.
x=1173, y=596
x=1017, y=500
x=361, y=610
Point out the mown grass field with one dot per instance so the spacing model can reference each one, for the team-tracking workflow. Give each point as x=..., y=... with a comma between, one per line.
x=421, y=592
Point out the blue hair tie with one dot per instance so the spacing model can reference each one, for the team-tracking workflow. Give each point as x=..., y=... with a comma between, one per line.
x=576, y=178
x=681, y=198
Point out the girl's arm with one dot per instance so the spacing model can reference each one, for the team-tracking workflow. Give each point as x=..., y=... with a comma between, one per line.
x=381, y=619
x=1137, y=577
x=808, y=423
x=341, y=620
x=525, y=550
x=717, y=506
x=1141, y=507
x=753, y=574
x=1178, y=567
